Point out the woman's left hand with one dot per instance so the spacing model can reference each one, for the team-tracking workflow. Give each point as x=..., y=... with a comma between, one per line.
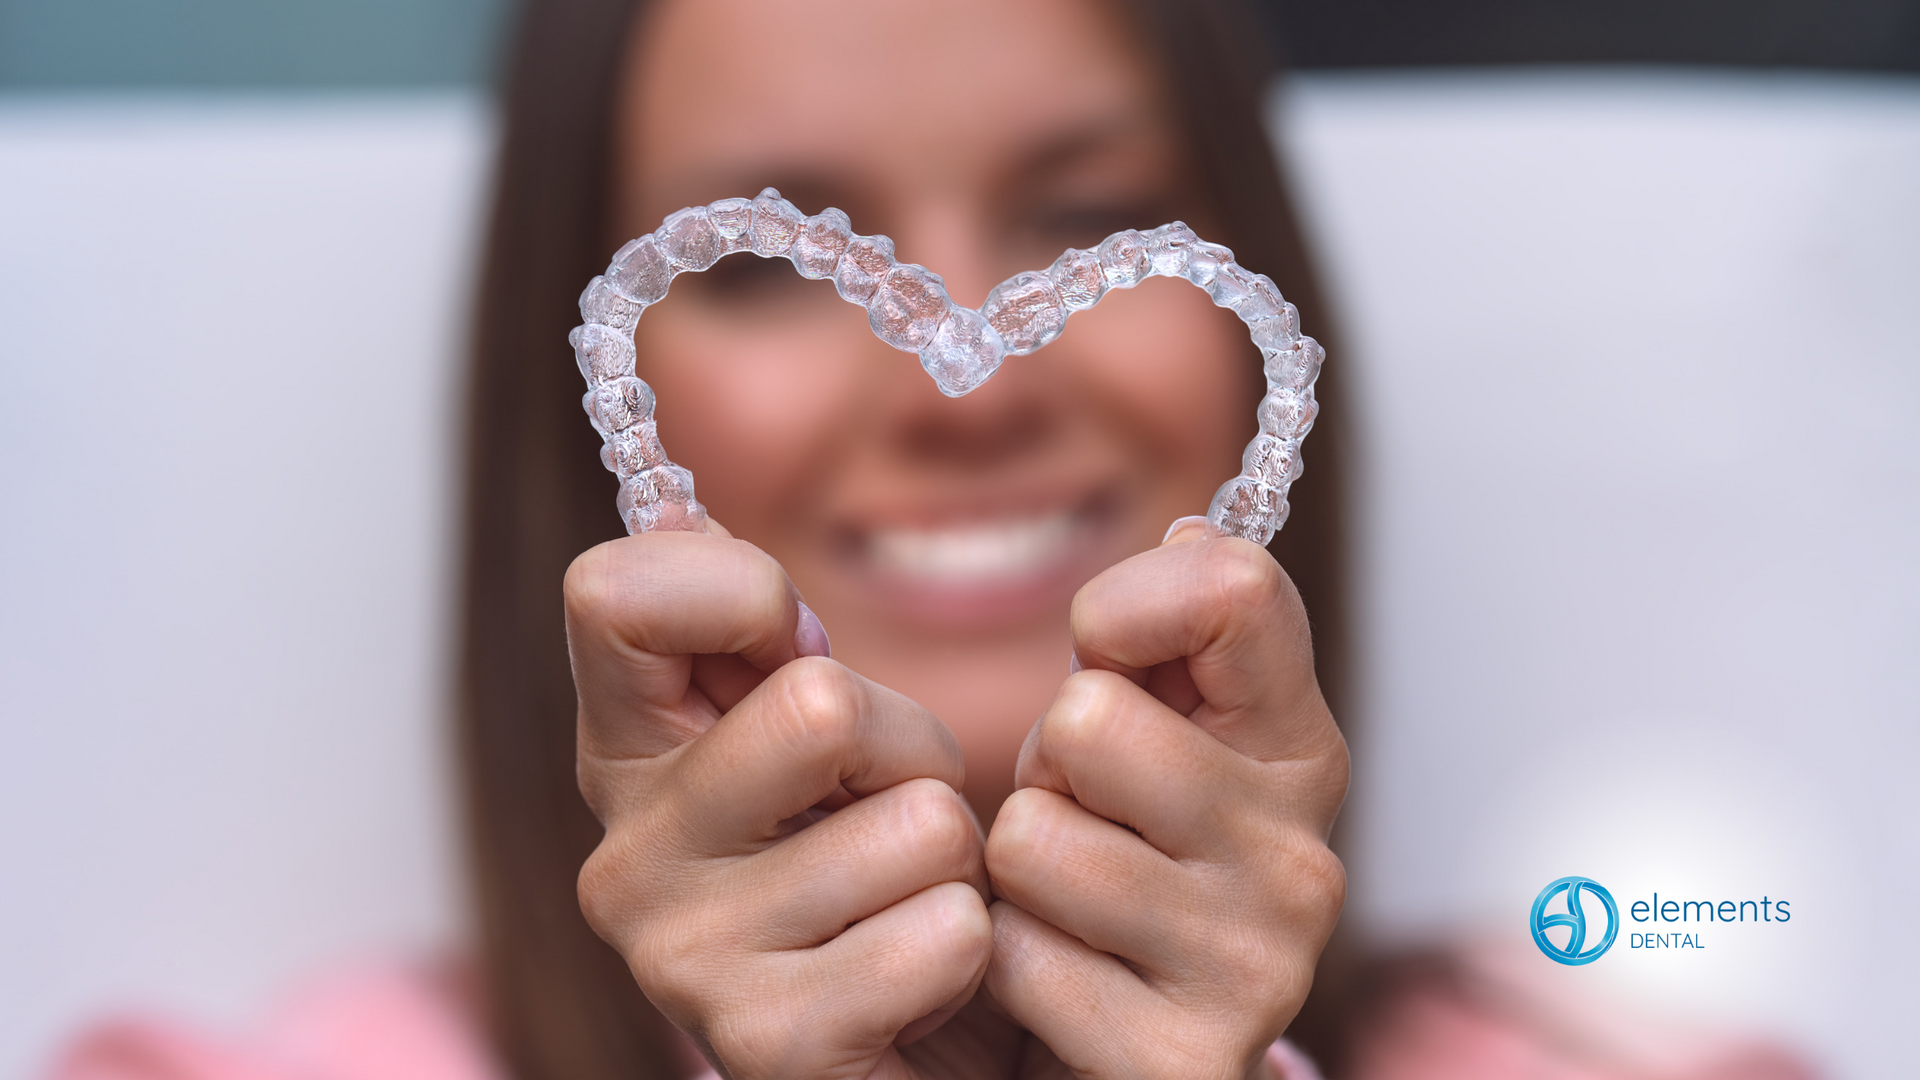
x=1163, y=880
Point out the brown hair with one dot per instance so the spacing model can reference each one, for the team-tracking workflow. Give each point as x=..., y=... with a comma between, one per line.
x=563, y=1005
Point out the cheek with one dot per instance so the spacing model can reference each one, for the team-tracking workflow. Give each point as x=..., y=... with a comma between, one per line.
x=757, y=411
x=1175, y=375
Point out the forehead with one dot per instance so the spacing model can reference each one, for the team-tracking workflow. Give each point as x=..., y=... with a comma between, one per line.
x=921, y=92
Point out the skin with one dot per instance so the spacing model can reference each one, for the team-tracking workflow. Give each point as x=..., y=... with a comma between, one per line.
x=802, y=427
x=795, y=863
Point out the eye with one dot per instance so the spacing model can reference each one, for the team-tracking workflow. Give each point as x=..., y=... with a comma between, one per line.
x=1085, y=222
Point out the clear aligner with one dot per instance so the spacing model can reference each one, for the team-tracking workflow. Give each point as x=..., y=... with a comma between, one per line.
x=908, y=308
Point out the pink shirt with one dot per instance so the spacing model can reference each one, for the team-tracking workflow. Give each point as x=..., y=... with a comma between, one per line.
x=370, y=1023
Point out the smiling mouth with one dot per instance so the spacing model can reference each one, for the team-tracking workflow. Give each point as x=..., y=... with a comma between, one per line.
x=993, y=566
x=976, y=553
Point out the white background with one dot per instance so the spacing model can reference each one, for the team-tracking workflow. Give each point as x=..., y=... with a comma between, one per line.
x=1635, y=362
x=1638, y=373
x=227, y=335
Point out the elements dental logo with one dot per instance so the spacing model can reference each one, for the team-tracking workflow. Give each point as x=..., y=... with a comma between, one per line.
x=1575, y=950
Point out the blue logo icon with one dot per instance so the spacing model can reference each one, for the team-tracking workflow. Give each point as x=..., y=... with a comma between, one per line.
x=1575, y=950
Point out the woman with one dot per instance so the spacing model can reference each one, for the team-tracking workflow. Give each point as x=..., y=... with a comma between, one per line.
x=940, y=542
x=943, y=544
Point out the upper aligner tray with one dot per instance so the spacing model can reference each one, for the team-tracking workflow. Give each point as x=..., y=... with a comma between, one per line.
x=908, y=308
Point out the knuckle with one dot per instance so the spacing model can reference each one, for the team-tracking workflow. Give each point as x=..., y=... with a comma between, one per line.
x=973, y=925
x=938, y=821
x=958, y=915
x=606, y=891
x=1321, y=876
x=823, y=702
x=964, y=929
x=1016, y=839
x=1306, y=886
x=587, y=586
x=1306, y=872
x=626, y=884
x=1080, y=718
x=1245, y=578
x=595, y=887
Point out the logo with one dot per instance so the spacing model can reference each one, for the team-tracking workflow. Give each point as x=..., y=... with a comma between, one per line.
x=1575, y=950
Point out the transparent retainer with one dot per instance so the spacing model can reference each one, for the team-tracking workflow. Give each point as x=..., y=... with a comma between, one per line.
x=908, y=308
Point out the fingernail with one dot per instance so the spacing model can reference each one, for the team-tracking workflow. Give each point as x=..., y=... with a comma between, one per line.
x=1184, y=523
x=810, y=636
x=1073, y=666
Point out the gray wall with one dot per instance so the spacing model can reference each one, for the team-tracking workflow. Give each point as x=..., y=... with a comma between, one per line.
x=233, y=44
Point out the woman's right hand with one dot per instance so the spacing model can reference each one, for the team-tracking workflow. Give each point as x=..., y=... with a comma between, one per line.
x=787, y=941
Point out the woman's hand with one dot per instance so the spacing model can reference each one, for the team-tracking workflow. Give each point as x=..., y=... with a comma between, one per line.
x=790, y=943
x=1164, y=881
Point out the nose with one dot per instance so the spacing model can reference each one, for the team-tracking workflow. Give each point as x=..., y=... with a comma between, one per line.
x=1014, y=414
x=1000, y=423
x=900, y=413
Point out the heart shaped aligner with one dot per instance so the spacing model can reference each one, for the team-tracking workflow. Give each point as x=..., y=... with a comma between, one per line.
x=865, y=261
x=964, y=352
x=689, y=239
x=1288, y=413
x=1272, y=460
x=1168, y=247
x=1294, y=368
x=618, y=404
x=731, y=219
x=603, y=352
x=1247, y=508
x=601, y=304
x=822, y=238
x=632, y=451
x=1126, y=259
x=640, y=272
x=1078, y=276
x=775, y=225
x=661, y=500
x=1027, y=310
x=908, y=307
x=961, y=348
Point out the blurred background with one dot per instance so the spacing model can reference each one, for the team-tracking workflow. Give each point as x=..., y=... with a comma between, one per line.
x=1629, y=296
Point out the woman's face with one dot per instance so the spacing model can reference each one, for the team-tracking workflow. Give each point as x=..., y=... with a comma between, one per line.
x=940, y=541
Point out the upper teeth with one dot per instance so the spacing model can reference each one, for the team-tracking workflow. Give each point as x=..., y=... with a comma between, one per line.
x=1000, y=549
